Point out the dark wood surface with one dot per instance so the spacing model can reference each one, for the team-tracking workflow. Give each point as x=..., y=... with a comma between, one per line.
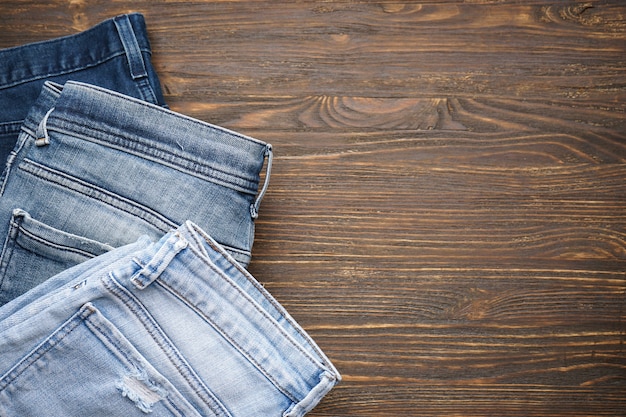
x=446, y=214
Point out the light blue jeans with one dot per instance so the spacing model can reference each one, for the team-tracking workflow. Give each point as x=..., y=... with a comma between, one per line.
x=94, y=169
x=172, y=328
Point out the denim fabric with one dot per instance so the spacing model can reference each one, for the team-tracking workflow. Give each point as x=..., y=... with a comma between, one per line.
x=175, y=328
x=95, y=169
x=114, y=54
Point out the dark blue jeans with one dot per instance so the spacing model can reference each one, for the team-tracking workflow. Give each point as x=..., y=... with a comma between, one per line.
x=115, y=54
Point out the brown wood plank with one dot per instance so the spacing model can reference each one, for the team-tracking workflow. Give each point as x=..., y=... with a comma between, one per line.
x=447, y=209
x=255, y=48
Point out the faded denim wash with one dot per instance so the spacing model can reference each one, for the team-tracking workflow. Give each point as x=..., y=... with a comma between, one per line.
x=94, y=169
x=172, y=328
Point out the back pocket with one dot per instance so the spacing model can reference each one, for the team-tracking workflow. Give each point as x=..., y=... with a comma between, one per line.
x=87, y=367
x=34, y=251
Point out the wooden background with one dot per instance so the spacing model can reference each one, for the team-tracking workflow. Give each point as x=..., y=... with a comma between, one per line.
x=446, y=214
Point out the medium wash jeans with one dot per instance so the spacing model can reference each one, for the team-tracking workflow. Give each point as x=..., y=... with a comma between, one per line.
x=114, y=54
x=172, y=328
x=118, y=303
x=94, y=169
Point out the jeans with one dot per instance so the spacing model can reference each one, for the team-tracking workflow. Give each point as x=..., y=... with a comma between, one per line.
x=113, y=299
x=114, y=54
x=175, y=328
x=94, y=169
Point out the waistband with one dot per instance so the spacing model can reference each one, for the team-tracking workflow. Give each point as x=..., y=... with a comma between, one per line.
x=242, y=310
x=135, y=126
x=124, y=34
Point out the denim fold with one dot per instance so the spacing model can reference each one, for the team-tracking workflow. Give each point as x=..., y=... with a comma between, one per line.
x=106, y=167
x=125, y=232
x=174, y=327
x=114, y=54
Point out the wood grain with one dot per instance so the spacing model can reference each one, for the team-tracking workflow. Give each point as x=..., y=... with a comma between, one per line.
x=446, y=214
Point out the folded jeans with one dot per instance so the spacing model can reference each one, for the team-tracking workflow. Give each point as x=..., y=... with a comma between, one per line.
x=109, y=311
x=95, y=166
x=175, y=327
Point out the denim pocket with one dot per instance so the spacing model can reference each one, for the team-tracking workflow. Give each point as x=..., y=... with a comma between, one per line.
x=116, y=195
x=34, y=251
x=83, y=193
x=87, y=367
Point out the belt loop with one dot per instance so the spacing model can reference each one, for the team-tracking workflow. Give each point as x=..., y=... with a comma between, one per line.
x=254, y=208
x=159, y=261
x=131, y=46
x=41, y=136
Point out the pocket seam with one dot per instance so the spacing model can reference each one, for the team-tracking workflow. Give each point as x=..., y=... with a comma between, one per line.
x=91, y=191
x=115, y=201
x=50, y=342
x=114, y=342
x=7, y=251
x=170, y=350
